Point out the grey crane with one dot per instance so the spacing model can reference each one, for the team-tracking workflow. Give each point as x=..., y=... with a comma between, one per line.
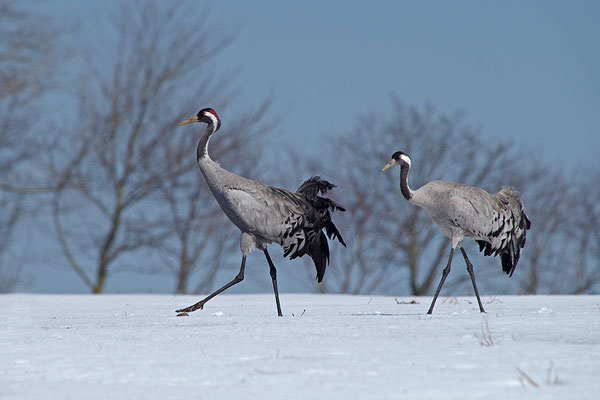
x=265, y=214
x=496, y=221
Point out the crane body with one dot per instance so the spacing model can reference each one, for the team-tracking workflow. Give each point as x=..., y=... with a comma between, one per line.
x=266, y=214
x=496, y=221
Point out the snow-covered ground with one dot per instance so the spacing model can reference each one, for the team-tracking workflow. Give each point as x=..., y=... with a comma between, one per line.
x=326, y=347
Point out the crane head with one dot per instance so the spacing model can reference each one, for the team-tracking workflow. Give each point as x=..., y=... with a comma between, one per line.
x=206, y=115
x=398, y=158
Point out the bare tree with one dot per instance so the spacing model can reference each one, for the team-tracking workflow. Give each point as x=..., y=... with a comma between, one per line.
x=547, y=193
x=26, y=55
x=562, y=253
x=587, y=264
x=121, y=158
x=585, y=270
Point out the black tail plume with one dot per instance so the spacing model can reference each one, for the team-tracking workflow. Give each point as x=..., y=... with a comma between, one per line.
x=311, y=187
x=513, y=230
x=317, y=247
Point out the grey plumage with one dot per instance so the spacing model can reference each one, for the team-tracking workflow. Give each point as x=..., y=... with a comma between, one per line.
x=496, y=221
x=266, y=214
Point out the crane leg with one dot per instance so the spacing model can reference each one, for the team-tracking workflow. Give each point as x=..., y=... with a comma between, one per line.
x=472, y=273
x=199, y=305
x=273, y=273
x=445, y=273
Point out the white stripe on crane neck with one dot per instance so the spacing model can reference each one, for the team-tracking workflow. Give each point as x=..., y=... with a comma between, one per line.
x=213, y=118
x=405, y=158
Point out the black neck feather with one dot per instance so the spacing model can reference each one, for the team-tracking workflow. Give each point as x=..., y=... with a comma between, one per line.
x=404, y=182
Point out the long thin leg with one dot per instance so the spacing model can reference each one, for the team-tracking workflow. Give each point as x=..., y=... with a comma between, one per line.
x=472, y=273
x=237, y=279
x=445, y=273
x=273, y=272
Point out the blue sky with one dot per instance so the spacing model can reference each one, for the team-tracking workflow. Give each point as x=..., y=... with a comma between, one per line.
x=526, y=71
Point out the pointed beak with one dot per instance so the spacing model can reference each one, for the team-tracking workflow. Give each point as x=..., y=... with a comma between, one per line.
x=189, y=121
x=390, y=164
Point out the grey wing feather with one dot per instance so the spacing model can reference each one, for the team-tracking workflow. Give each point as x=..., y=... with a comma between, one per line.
x=293, y=220
x=497, y=221
x=271, y=214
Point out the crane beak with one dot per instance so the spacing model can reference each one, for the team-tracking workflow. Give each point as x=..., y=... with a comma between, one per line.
x=390, y=164
x=189, y=121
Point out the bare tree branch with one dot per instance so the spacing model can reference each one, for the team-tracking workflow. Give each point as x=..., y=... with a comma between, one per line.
x=132, y=184
x=26, y=55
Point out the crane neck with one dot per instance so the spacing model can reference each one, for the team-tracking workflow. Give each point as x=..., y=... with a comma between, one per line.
x=406, y=191
x=202, y=150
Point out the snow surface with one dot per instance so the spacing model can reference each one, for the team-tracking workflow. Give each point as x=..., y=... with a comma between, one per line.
x=326, y=347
